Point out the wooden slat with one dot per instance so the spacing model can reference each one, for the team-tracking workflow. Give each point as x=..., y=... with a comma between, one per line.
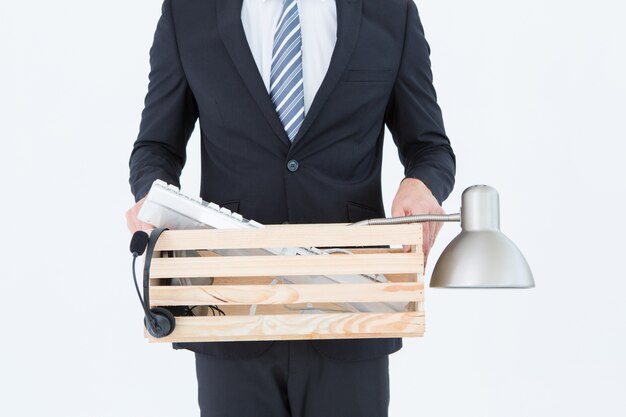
x=264, y=309
x=409, y=277
x=284, y=294
x=359, y=250
x=243, y=280
x=419, y=304
x=262, y=280
x=292, y=235
x=228, y=266
x=375, y=250
x=295, y=326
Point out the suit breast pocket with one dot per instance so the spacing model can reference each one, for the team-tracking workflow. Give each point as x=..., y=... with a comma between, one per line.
x=369, y=75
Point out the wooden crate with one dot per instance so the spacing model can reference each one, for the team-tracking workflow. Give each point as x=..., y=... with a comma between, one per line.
x=242, y=281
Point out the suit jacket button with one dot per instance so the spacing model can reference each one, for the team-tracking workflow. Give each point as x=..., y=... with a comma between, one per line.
x=292, y=165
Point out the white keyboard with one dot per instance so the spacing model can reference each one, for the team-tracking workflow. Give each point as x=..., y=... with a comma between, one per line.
x=167, y=206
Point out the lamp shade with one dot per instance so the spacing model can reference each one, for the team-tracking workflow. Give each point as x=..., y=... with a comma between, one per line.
x=481, y=256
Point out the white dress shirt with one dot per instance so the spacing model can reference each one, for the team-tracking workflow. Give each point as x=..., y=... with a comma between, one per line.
x=318, y=25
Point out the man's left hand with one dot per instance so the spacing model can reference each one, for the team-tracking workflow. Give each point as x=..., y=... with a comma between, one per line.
x=414, y=197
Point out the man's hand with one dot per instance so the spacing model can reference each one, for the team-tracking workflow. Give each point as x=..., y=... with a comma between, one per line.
x=132, y=222
x=413, y=197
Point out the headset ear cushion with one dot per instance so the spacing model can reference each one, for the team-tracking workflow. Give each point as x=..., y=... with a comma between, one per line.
x=164, y=322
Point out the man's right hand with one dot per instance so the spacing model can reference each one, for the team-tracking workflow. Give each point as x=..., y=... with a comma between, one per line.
x=133, y=222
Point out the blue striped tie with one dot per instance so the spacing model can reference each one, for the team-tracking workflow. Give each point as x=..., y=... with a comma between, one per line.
x=286, y=82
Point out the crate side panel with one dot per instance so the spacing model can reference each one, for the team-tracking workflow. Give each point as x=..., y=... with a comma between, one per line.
x=293, y=235
x=340, y=264
x=284, y=294
x=292, y=327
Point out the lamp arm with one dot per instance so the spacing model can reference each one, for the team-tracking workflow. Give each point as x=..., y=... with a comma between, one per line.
x=417, y=218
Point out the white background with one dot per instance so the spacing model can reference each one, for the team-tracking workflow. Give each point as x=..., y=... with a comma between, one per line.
x=533, y=95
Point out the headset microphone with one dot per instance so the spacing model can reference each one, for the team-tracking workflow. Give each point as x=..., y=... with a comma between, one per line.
x=139, y=242
x=159, y=321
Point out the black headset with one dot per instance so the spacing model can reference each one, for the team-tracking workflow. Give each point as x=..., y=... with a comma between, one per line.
x=159, y=321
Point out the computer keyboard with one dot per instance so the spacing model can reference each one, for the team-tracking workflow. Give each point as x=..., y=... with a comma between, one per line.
x=167, y=206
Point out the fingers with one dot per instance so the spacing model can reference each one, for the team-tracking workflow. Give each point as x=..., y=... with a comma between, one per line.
x=397, y=211
x=431, y=230
x=414, y=197
x=426, y=240
x=134, y=225
x=132, y=222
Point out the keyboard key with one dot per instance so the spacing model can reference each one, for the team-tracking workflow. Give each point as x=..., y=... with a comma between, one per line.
x=255, y=224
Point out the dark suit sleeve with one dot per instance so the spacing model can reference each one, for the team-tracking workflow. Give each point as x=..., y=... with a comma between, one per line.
x=169, y=114
x=414, y=117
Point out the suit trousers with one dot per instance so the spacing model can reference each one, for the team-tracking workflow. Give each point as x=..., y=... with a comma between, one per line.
x=292, y=379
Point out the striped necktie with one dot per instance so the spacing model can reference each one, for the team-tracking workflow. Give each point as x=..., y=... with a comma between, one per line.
x=286, y=82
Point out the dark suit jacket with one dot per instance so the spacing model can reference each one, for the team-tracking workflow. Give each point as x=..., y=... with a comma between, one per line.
x=202, y=68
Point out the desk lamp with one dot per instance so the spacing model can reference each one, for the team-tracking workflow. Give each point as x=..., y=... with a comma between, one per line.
x=481, y=256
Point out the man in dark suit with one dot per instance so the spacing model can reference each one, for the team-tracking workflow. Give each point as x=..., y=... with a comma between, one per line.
x=293, y=133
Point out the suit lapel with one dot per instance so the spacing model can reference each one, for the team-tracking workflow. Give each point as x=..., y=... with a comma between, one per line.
x=348, y=24
x=231, y=31
x=234, y=37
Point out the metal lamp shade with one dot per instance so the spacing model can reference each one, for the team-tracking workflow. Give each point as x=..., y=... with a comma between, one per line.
x=481, y=256
x=482, y=260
